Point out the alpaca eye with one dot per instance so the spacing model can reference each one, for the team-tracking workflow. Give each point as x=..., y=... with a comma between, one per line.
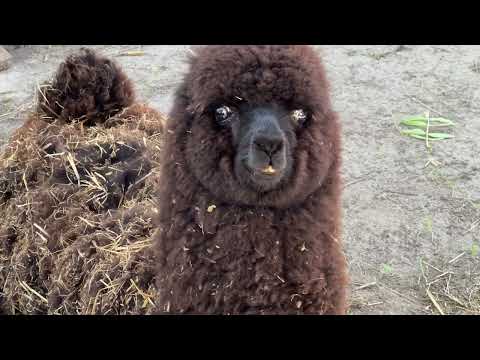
x=222, y=114
x=299, y=117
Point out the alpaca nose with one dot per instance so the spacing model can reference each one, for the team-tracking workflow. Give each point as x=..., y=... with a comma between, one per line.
x=269, y=144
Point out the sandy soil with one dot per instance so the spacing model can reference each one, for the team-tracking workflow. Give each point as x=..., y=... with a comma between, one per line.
x=411, y=216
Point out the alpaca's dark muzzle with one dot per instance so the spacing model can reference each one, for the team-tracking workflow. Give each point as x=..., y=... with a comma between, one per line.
x=265, y=158
x=268, y=145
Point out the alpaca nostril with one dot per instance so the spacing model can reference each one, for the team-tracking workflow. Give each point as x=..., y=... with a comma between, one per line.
x=269, y=145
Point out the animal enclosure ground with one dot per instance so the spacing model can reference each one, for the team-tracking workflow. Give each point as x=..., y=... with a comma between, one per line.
x=411, y=217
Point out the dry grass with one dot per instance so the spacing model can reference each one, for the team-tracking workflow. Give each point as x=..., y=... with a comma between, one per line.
x=448, y=291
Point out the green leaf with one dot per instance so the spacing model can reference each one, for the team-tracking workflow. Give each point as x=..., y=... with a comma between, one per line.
x=417, y=123
x=428, y=223
x=441, y=122
x=386, y=269
x=412, y=120
x=440, y=135
x=422, y=122
x=474, y=250
x=418, y=132
x=421, y=134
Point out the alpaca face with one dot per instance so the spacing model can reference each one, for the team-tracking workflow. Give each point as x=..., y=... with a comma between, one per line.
x=258, y=127
x=264, y=138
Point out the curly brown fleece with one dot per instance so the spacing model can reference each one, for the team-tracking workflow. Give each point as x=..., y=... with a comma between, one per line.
x=273, y=253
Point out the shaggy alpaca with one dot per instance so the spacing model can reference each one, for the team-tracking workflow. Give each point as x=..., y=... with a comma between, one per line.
x=249, y=198
x=76, y=185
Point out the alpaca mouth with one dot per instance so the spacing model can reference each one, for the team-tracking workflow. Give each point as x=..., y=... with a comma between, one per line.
x=267, y=173
x=264, y=179
x=269, y=170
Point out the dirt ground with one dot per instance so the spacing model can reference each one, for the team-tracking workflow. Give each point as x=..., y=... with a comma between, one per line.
x=411, y=216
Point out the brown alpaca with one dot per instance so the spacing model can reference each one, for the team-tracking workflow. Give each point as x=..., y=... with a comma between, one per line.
x=84, y=163
x=249, y=201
